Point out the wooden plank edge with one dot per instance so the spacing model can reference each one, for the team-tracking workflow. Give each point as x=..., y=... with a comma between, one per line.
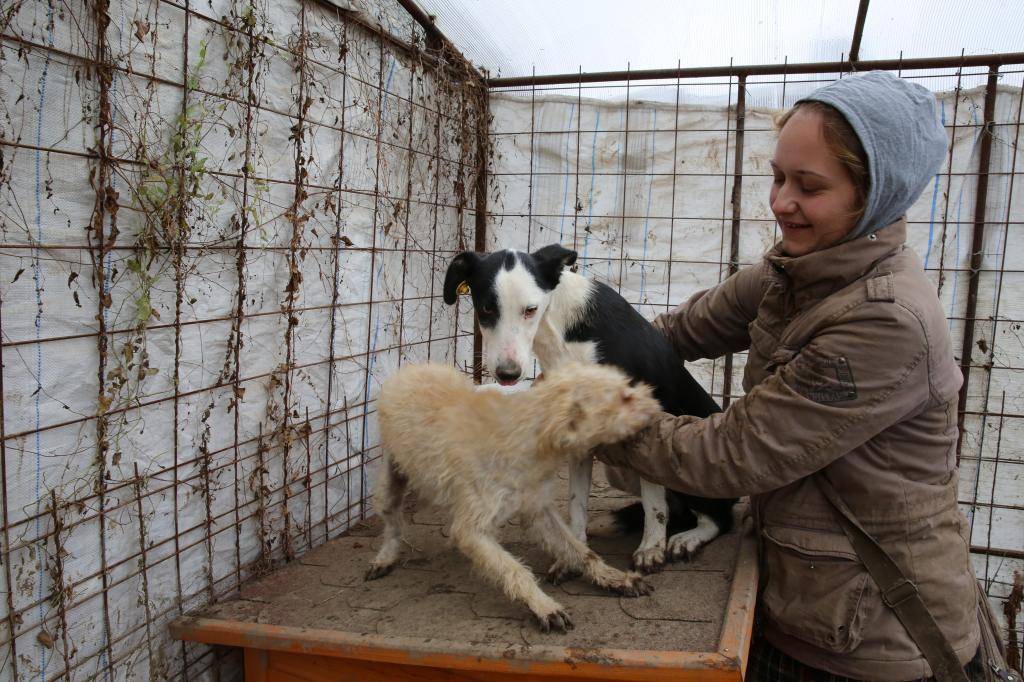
x=737, y=627
x=596, y=663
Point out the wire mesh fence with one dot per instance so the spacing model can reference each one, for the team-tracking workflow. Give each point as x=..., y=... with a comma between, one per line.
x=221, y=222
x=662, y=185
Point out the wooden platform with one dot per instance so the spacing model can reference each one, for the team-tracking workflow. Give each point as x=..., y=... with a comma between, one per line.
x=432, y=619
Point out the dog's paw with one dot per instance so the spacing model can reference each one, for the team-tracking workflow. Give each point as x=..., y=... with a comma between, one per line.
x=560, y=573
x=632, y=585
x=650, y=560
x=378, y=571
x=684, y=546
x=557, y=620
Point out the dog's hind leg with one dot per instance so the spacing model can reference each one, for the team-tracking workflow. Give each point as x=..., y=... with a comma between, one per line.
x=515, y=579
x=684, y=545
x=580, y=477
x=389, y=497
x=558, y=539
x=650, y=555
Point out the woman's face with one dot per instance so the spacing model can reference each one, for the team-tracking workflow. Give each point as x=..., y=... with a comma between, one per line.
x=812, y=197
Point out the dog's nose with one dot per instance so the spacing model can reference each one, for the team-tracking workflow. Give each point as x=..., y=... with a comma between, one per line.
x=508, y=372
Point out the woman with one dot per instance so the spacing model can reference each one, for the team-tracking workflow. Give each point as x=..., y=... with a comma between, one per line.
x=850, y=376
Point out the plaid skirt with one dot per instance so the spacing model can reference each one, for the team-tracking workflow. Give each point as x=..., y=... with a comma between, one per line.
x=768, y=664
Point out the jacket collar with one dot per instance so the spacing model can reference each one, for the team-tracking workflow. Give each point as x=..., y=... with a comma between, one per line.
x=816, y=275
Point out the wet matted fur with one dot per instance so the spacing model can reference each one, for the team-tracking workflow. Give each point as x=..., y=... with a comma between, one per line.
x=484, y=456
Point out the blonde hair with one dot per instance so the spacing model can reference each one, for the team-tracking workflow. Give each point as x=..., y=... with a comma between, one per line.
x=842, y=142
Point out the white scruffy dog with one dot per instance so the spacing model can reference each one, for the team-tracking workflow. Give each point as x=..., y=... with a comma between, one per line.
x=484, y=456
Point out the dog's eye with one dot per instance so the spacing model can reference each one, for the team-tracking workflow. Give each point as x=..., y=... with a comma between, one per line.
x=487, y=310
x=529, y=311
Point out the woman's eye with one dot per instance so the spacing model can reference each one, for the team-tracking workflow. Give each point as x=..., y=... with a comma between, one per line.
x=529, y=311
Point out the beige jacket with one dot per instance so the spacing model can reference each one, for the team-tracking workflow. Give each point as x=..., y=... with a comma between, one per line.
x=849, y=370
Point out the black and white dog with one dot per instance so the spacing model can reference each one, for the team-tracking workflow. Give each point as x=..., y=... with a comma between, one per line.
x=529, y=304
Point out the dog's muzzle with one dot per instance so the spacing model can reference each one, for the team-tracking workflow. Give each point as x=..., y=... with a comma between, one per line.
x=508, y=372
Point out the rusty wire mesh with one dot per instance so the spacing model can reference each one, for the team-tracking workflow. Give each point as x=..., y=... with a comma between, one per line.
x=219, y=223
x=662, y=186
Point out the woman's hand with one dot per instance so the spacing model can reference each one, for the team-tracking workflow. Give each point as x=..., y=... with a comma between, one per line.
x=619, y=454
x=647, y=444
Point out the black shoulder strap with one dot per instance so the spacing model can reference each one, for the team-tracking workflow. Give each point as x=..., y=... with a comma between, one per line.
x=898, y=593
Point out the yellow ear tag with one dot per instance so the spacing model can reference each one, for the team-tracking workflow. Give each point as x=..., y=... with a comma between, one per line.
x=462, y=289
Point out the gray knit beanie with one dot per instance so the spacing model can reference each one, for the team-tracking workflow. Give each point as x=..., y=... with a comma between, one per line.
x=898, y=125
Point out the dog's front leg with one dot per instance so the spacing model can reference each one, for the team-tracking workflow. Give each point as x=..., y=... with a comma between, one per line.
x=580, y=475
x=558, y=539
x=515, y=579
x=650, y=555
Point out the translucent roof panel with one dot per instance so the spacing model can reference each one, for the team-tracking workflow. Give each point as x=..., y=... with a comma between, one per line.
x=519, y=37
x=941, y=28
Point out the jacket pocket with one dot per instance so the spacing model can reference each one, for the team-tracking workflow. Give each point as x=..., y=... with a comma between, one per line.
x=817, y=590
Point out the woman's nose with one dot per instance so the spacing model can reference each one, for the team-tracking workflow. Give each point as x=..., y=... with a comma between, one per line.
x=782, y=201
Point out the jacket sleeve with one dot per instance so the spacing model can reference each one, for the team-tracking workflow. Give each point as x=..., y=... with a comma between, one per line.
x=849, y=383
x=714, y=321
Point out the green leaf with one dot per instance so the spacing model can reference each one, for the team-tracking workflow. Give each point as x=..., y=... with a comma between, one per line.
x=154, y=193
x=145, y=311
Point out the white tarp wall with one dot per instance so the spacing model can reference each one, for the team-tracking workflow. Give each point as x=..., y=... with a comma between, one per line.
x=221, y=223
x=656, y=223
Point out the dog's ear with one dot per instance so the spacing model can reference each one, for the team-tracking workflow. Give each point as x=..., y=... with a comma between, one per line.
x=459, y=270
x=565, y=419
x=550, y=260
x=574, y=420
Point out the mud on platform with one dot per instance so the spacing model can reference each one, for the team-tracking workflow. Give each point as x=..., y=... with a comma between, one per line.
x=434, y=597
